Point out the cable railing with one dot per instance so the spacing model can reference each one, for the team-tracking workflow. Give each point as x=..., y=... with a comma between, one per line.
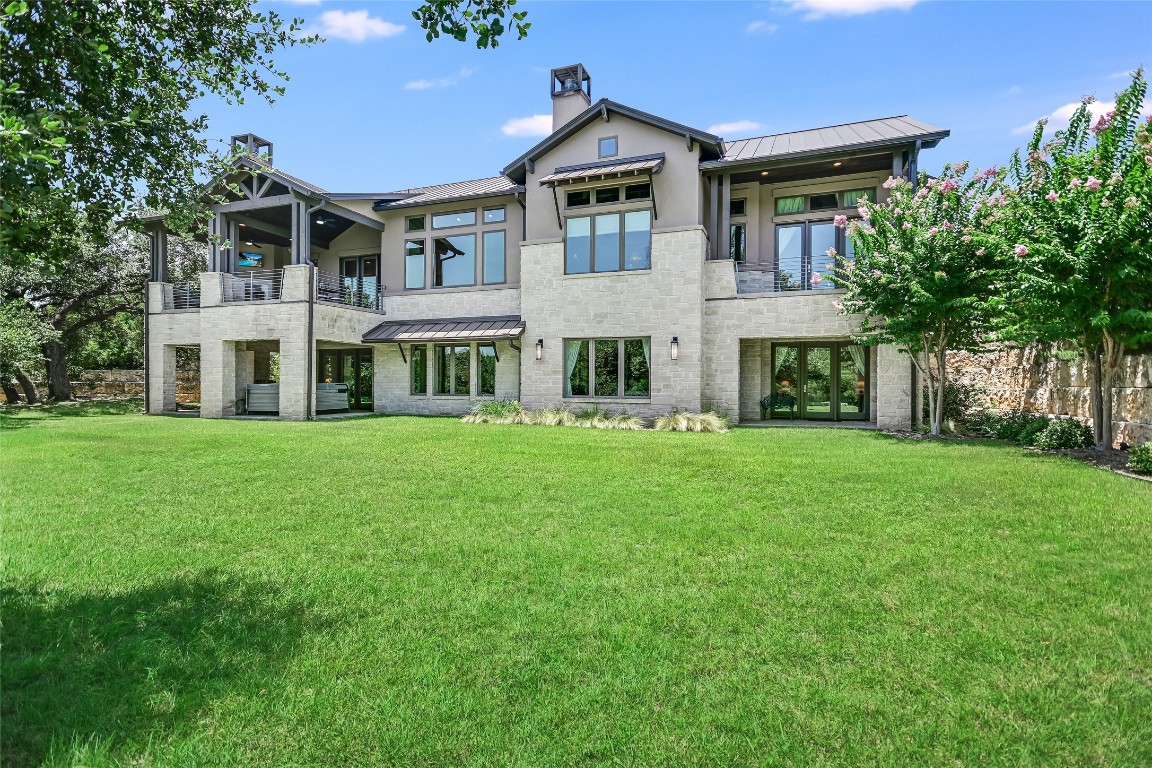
x=254, y=285
x=183, y=296
x=363, y=292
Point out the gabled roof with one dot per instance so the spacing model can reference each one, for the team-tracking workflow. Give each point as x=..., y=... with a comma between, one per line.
x=446, y=193
x=267, y=169
x=711, y=146
x=865, y=134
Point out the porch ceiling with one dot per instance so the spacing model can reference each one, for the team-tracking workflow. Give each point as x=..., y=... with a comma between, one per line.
x=825, y=167
x=325, y=226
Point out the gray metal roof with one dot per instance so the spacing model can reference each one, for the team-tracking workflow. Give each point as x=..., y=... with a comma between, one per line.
x=267, y=169
x=709, y=144
x=460, y=190
x=621, y=167
x=447, y=329
x=849, y=136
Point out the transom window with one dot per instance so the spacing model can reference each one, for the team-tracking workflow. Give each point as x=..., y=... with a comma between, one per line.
x=738, y=207
x=603, y=368
x=453, y=219
x=824, y=201
x=608, y=242
x=494, y=215
x=579, y=197
x=607, y=147
x=413, y=223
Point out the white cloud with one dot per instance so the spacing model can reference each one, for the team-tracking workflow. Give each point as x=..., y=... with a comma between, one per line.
x=734, y=128
x=1059, y=117
x=355, y=26
x=818, y=9
x=760, y=27
x=537, y=125
x=440, y=82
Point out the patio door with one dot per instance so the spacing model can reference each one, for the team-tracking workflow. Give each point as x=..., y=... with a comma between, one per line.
x=824, y=381
x=360, y=280
x=352, y=367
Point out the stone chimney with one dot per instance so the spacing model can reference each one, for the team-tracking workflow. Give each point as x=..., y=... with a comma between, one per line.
x=571, y=94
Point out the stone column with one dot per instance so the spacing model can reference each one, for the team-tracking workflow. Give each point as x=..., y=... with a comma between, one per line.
x=211, y=289
x=294, y=388
x=217, y=379
x=162, y=379
x=893, y=388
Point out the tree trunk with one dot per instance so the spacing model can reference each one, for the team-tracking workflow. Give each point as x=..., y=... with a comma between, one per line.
x=942, y=375
x=10, y=393
x=31, y=396
x=1109, y=366
x=1095, y=392
x=56, y=365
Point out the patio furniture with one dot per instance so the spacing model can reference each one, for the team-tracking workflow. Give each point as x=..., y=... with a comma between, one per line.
x=331, y=396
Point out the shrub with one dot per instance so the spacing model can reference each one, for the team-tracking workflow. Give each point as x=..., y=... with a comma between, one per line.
x=1013, y=426
x=679, y=421
x=494, y=412
x=1064, y=433
x=959, y=400
x=1140, y=459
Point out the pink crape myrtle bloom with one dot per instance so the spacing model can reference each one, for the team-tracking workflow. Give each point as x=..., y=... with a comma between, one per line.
x=933, y=230
x=838, y=307
x=1021, y=250
x=1052, y=196
x=907, y=225
x=1075, y=183
x=1092, y=183
x=947, y=186
x=817, y=279
x=980, y=252
x=830, y=253
x=1132, y=203
x=892, y=181
x=840, y=221
x=877, y=273
x=1104, y=122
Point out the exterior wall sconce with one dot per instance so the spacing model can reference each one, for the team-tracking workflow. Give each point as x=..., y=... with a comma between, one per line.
x=675, y=348
x=539, y=349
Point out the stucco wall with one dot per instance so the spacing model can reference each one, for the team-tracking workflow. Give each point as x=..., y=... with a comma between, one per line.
x=660, y=303
x=1034, y=379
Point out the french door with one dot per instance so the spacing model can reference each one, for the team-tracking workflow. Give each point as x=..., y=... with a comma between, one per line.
x=824, y=381
x=352, y=367
x=360, y=281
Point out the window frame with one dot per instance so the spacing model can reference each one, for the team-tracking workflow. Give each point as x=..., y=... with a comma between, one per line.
x=484, y=257
x=622, y=233
x=412, y=355
x=491, y=208
x=452, y=370
x=615, y=139
x=806, y=254
x=743, y=207
x=423, y=260
x=454, y=213
x=475, y=261
x=495, y=367
x=423, y=222
x=621, y=376
x=622, y=199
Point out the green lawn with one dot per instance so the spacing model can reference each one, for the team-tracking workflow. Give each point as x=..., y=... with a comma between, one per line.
x=410, y=592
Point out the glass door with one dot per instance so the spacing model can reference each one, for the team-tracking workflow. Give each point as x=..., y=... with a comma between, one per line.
x=363, y=380
x=817, y=400
x=359, y=277
x=825, y=381
x=352, y=367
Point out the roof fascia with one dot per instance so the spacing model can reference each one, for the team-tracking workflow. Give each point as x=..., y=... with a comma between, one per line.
x=928, y=141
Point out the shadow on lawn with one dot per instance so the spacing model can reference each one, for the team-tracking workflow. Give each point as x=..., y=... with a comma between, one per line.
x=138, y=666
x=21, y=416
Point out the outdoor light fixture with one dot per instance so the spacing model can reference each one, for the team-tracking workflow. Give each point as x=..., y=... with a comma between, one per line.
x=837, y=164
x=539, y=349
x=675, y=347
x=763, y=173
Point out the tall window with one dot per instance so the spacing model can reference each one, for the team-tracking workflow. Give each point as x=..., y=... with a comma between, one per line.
x=419, y=357
x=452, y=369
x=454, y=261
x=494, y=257
x=607, y=367
x=413, y=263
x=737, y=242
x=609, y=242
x=802, y=261
x=486, y=369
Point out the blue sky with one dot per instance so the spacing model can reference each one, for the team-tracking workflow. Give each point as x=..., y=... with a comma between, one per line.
x=377, y=108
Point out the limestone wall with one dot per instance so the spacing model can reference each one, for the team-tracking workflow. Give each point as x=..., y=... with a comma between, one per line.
x=1034, y=379
x=114, y=383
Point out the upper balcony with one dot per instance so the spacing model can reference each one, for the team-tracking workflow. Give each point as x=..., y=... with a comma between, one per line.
x=294, y=283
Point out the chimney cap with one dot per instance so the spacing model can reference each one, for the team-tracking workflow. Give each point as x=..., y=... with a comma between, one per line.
x=253, y=144
x=571, y=79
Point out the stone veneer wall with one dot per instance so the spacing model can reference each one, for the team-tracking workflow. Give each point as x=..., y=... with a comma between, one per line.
x=128, y=382
x=659, y=303
x=1033, y=379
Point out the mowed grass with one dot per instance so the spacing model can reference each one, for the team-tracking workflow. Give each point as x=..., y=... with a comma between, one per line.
x=421, y=592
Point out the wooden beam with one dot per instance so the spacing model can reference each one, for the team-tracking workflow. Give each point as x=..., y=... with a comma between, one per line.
x=252, y=205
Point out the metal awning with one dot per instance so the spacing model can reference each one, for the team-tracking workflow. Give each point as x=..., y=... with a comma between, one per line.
x=447, y=330
x=632, y=166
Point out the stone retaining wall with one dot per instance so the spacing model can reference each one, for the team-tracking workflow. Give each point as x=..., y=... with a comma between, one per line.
x=127, y=383
x=1034, y=379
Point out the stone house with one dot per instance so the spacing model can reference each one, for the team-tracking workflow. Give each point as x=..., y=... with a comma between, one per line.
x=625, y=261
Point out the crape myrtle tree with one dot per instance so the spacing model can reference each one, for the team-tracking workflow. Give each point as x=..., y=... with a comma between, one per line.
x=922, y=276
x=1080, y=234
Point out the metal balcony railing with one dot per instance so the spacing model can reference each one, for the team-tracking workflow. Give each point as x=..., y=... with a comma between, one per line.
x=254, y=285
x=363, y=292
x=183, y=296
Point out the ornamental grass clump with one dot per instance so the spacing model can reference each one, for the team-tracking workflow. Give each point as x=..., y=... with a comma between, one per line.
x=680, y=421
x=555, y=417
x=494, y=412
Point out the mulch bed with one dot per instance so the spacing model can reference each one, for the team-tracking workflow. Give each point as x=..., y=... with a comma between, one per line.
x=1111, y=460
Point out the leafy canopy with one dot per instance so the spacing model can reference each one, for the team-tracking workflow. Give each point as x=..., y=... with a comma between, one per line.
x=484, y=19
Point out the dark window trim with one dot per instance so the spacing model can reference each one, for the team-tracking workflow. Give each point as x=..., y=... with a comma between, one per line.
x=823, y=211
x=484, y=253
x=623, y=195
x=452, y=373
x=472, y=211
x=802, y=348
x=477, y=265
x=619, y=367
x=805, y=246
x=503, y=220
x=412, y=370
x=423, y=257
x=731, y=204
x=601, y=140
x=422, y=228
x=490, y=345
x=592, y=242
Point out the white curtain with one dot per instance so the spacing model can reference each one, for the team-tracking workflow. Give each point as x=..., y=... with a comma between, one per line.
x=647, y=354
x=783, y=355
x=857, y=353
x=571, y=353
